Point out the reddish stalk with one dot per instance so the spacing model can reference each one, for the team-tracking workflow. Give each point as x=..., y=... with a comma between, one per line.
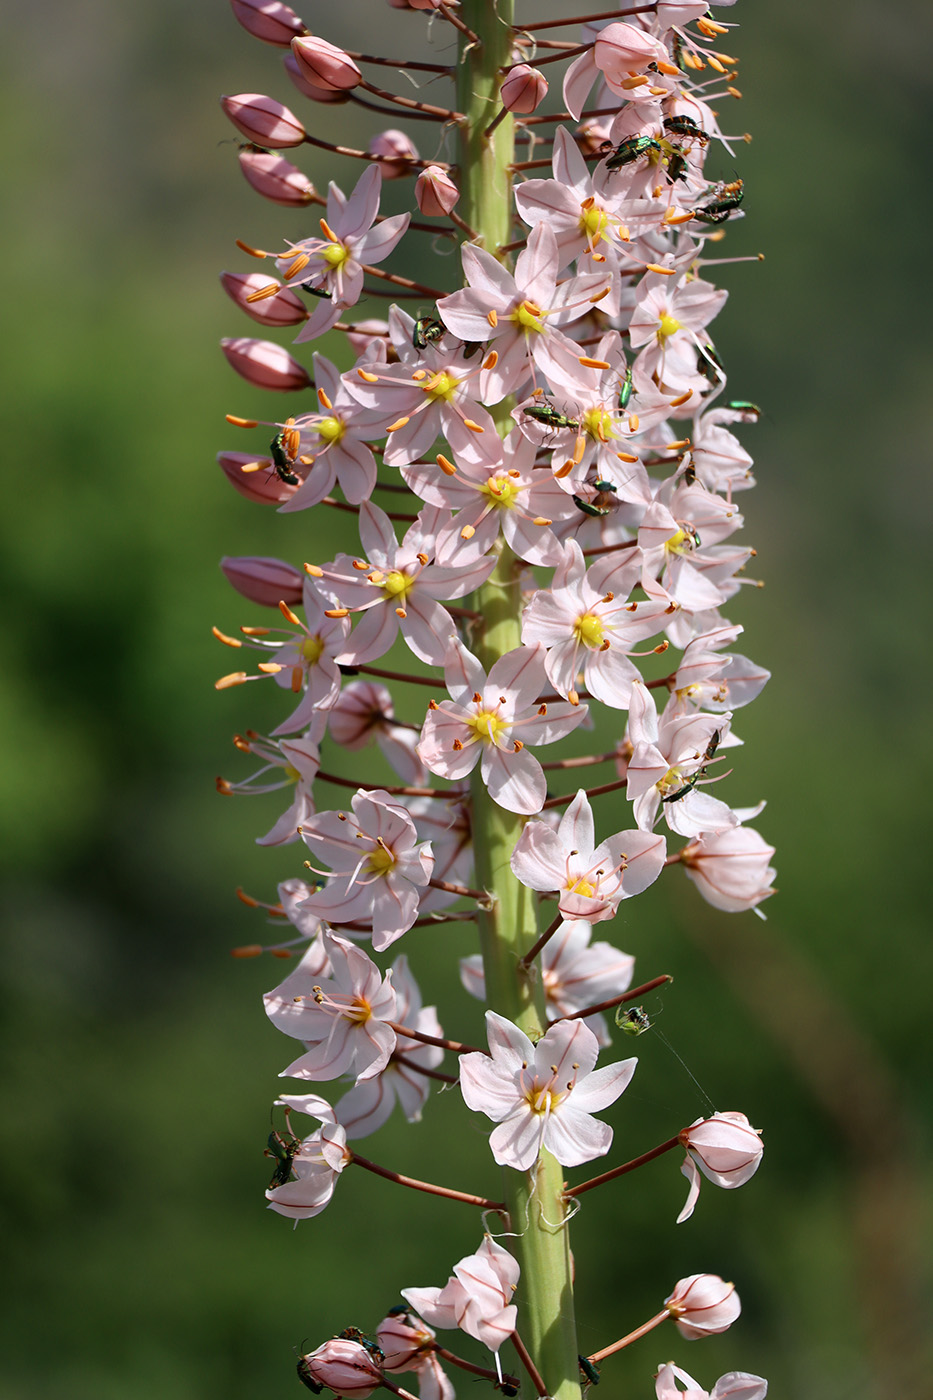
x=525, y=1358
x=457, y=1047
x=590, y=792
x=622, y=1171
x=632, y=1337
x=583, y=19
x=633, y=995
x=443, y=112
x=474, y=1369
x=548, y=933
x=427, y=1186
x=421, y=1069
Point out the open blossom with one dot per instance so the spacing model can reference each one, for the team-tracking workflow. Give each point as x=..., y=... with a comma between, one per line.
x=298, y=760
x=489, y=721
x=591, y=880
x=364, y=711
x=541, y=1095
x=737, y=1385
x=314, y=1165
x=574, y=973
x=476, y=1298
x=341, y=1019
x=378, y=866
x=725, y=1148
x=702, y=1305
x=731, y=868
x=669, y=761
x=333, y=444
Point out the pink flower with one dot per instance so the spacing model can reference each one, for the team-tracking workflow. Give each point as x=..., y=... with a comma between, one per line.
x=435, y=192
x=730, y=868
x=299, y=760
x=281, y=309
x=269, y=20
x=364, y=711
x=334, y=446
x=476, y=1298
x=702, y=1305
x=395, y=150
x=484, y=719
x=263, y=120
x=275, y=178
x=574, y=973
x=344, y=1366
x=342, y=1019
x=315, y=1166
x=379, y=868
x=255, y=478
x=591, y=880
x=408, y=1345
x=669, y=761
x=323, y=64
x=523, y=88
x=737, y=1385
x=541, y=1095
x=265, y=364
x=725, y=1148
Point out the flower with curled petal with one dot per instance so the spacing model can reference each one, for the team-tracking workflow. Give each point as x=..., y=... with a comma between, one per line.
x=476, y=1297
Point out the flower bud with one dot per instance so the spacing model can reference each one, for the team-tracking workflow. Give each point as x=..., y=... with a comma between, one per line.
x=435, y=192
x=283, y=309
x=263, y=120
x=265, y=364
x=263, y=580
x=703, y=1304
x=324, y=65
x=523, y=88
x=730, y=868
x=256, y=478
x=276, y=178
x=370, y=338
x=404, y=1339
x=396, y=150
x=726, y=1148
x=308, y=89
x=268, y=20
x=345, y=1367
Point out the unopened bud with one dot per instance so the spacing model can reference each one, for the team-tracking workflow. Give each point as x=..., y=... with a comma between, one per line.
x=369, y=338
x=404, y=1339
x=523, y=88
x=256, y=478
x=263, y=120
x=435, y=192
x=397, y=152
x=344, y=1367
x=276, y=178
x=324, y=65
x=703, y=1304
x=268, y=20
x=309, y=89
x=282, y=309
x=263, y=580
x=265, y=364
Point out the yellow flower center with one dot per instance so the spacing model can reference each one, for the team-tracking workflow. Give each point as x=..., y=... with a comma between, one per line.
x=529, y=317
x=441, y=386
x=311, y=649
x=679, y=543
x=667, y=326
x=335, y=255
x=397, y=585
x=291, y=773
x=588, y=629
x=598, y=423
x=593, y=223
x=502, y=490
x=673, y=778
x=487, y=725
x=330, y=430
x=581, y=887
x=381, y=861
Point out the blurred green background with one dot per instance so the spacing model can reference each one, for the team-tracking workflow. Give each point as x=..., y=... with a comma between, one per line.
x=138, y=1066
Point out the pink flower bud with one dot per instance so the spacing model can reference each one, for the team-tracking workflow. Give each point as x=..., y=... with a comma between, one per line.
x=265, y=364
x=276, y=178
x=703, y=1304
x=523, y=88
x=308, y=89
x=283, y=309
x=262, y=580
x=397, y=151
x=404, y=1339
x=268, y=20
x=256, y=478
x=621, y=51
x=730, y=868
x=325, y=65
x=263, y=120
x=370, y=338
x=345, y=1367
x=726, y=1148
x=435, y=192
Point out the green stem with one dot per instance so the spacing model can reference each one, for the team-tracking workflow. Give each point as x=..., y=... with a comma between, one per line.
x=510, y=928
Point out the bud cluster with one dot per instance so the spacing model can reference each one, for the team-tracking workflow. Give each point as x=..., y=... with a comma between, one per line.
x=560, y=425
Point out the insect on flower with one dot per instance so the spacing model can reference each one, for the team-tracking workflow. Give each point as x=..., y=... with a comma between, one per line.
x=284, y=449
x=427, y=331
x=633, y=148
x=632, y=1021
x=728, y=197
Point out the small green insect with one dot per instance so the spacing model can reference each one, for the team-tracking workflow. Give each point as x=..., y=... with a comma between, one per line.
x=281, y=460
x=625, y=389
x=676, y=165
x=305, y=1376
x=602, y=503
x=427, y=331
x=710, y=365
x=690, y=473
x=632, y=1020
x=313, y=291
x=354, y=1334
x=743, y=406
x=729, y=197
x=632, y=149
x=694, y=778
x=284, y=1150
x=590, y=1372
x=551, y=417
x=685, y=126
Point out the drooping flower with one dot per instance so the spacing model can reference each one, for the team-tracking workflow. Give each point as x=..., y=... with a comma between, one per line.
x=476, y=1298
x=702, y=1305
x=725, y=1148
x=736, y=1385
